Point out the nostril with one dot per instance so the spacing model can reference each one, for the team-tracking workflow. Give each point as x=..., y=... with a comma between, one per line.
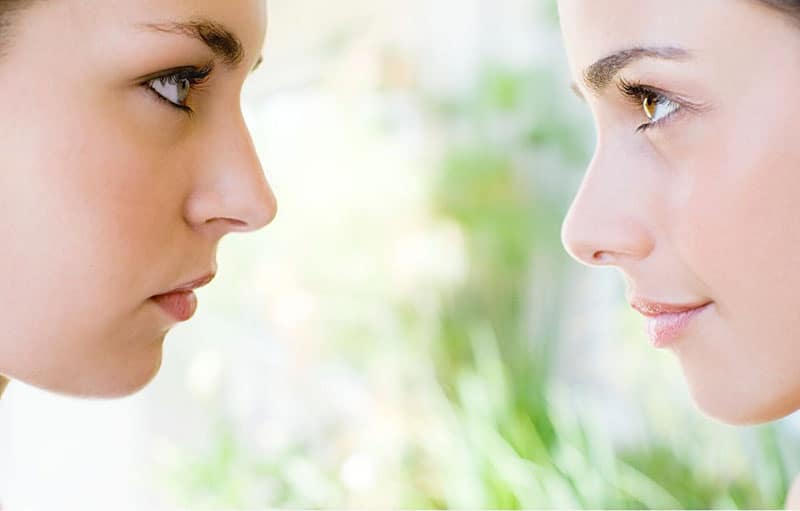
x=599, y=257
x=237, y=223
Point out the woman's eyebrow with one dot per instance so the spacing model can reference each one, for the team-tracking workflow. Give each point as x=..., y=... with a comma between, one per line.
x=597, y=76
x=222, y=41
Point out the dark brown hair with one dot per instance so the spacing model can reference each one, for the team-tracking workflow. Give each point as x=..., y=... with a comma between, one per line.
x=9, y=10
x=791, y=7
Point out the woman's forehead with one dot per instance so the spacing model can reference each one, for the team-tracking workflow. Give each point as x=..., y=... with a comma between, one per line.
x=248, y=18
x=593, y=31
x=234, y=29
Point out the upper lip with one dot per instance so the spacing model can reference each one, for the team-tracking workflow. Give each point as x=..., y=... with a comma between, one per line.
x=651, y=308
x=194, y=284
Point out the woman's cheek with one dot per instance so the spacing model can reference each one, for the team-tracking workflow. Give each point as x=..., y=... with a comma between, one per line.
x=150, y=122
x=738, y=217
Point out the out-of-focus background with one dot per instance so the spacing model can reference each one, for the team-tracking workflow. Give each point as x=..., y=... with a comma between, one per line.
x=409, y=332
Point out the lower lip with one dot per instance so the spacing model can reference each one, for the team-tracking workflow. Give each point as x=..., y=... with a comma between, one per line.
x=665, y=329
x=180, y=305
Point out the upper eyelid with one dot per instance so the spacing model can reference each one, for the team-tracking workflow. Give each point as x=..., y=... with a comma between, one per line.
x=207, y=68
x=635, y=91
x=197, y=76
x=680, y=99
x=626, y=88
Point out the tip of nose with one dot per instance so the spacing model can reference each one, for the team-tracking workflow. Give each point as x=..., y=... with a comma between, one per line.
x=250, y=217
x=270, y=211
x=262, y=209
x=598, y=244
x=573, y=249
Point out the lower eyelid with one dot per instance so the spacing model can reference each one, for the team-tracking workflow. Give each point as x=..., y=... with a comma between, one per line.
x=154, y=94
x=663, y=121
x=673, y=106
x=162, y=101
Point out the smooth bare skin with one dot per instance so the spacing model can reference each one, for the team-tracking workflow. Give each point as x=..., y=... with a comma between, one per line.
x=108, y=195
x=704, y=206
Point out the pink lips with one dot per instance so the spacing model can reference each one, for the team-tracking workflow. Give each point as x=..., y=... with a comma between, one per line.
x=180, y=305
x=667, y=322
x=198, y=283
x=181, y=302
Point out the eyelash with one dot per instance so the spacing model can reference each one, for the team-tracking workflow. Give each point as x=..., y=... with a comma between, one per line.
x=195, y=76
x=637, y=92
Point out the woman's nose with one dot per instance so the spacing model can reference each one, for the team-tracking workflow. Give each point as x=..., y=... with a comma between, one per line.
x=232, y=194
x=607, y=222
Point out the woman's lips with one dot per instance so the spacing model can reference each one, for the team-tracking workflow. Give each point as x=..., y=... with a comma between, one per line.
x=181, y=302
x=667, y=322
x=197, y=283
x=181, y=305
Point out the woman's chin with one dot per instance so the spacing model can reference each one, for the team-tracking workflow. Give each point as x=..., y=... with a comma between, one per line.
x=124, y=382
x=738, y=407
x=108, y=379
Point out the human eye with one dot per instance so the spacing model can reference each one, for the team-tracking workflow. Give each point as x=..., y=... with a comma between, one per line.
x=176, y=85
x=655, y=105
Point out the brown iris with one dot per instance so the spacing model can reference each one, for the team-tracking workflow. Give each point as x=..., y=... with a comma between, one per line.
x=649, y=104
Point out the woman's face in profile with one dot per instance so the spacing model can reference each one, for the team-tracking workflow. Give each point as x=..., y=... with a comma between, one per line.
x=693, y=191
x=125, y=158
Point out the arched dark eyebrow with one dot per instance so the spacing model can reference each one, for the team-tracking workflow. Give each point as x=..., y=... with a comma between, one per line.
x=597, y=76
x=222, y=41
